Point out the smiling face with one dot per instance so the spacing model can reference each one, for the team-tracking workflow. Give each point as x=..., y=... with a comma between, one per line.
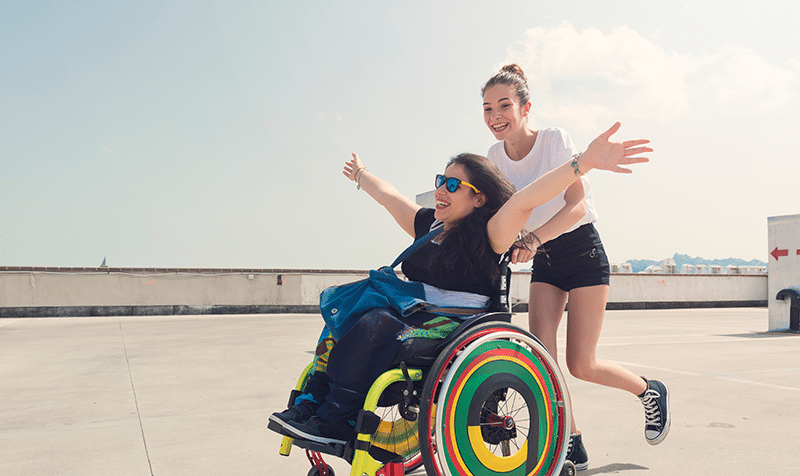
x=453, y=206
x=502, y=111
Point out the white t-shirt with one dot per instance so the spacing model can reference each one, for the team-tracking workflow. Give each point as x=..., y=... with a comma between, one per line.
x=553, y=148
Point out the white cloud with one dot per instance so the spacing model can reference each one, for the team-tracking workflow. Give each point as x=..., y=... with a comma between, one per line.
x=739, y=81
x=600, y=77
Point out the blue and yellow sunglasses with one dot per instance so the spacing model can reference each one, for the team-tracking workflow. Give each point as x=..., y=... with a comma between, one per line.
x=452, y=183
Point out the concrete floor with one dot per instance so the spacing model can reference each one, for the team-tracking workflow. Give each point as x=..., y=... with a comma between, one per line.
x=190, y=395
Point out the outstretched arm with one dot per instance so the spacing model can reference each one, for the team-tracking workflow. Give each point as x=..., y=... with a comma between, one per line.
x=603, y=154
x=400, y=207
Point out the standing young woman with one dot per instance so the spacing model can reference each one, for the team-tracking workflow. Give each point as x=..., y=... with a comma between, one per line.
x=569, y=262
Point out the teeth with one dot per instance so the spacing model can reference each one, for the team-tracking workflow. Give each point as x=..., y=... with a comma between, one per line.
x=439, y=203
x=497, y=127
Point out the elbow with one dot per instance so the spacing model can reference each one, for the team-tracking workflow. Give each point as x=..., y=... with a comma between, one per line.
x=522, y=206
x=575, y=206
x=581, y=208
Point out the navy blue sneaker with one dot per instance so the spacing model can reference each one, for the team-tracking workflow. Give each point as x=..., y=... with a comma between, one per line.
x=299, y=413
x=577, y=453
x=656, y=411
x=321, y=431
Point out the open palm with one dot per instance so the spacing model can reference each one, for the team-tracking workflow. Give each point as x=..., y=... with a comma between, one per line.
x=607, y=155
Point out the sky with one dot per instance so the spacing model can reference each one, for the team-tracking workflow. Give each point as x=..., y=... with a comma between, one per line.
x=212, y=134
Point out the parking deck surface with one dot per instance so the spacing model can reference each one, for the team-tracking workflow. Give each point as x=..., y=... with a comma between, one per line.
x=190, y=395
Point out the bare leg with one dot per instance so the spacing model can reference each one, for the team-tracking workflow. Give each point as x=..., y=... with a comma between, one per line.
x=584, y=322
x=545, y=311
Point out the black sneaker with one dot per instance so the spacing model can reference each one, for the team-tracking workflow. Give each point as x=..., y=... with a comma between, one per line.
x=577, y=453
x=656, y=411
x=299, y=413
x=321, y=431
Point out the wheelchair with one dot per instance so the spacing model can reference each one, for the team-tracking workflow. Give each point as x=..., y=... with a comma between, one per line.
x=488, y=400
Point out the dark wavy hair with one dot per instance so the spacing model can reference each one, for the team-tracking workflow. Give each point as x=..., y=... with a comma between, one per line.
x=468, y=238
x=511, y=75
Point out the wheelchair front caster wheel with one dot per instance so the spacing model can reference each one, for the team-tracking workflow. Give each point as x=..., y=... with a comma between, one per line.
x=568, y=469
x=316, y=472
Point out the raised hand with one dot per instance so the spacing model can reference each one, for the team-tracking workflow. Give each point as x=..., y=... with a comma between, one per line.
x=351, y=167
x=606, y=155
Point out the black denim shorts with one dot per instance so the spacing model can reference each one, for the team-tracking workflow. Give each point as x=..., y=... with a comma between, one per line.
x=573, y=260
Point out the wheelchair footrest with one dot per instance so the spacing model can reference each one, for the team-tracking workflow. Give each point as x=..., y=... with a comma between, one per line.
x=278, y=429
x=340, y=451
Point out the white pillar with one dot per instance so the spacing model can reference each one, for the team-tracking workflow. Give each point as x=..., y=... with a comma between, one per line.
x=784, y=266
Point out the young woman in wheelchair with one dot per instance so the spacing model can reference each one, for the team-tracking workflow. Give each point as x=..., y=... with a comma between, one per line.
x=481, y=217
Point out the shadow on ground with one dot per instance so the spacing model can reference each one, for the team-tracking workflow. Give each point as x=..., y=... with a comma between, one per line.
x=613, y=469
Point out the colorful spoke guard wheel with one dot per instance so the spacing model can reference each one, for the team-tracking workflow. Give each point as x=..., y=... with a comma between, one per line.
x=496, y=404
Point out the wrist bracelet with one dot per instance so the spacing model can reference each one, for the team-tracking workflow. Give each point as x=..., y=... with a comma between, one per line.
x=355, y=176
x=536, y=238
x=575, y=164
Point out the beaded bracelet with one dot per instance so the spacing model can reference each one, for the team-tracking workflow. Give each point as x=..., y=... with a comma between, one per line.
x=575, y=164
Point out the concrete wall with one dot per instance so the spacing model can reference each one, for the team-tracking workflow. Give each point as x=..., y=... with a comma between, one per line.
x=110, y=289
x=120, y=291
x=663, y=291
x=647, y=291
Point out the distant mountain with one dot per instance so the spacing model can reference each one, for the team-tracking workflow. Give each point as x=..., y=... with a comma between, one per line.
x=639, y=265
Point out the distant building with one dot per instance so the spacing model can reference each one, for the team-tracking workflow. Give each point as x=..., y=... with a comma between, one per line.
x=668, y=266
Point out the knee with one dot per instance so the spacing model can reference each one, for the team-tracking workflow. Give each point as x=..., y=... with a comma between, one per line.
x=374, y=325
x=581, y=369
x=367, y=321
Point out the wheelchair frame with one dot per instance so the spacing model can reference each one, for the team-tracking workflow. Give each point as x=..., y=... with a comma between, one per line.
x=483, y=370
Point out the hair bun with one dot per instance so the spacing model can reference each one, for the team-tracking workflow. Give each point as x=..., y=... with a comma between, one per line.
x=512, y=76
x=514, y=68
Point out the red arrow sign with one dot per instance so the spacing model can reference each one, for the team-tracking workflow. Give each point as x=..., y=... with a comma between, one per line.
x=776, y=253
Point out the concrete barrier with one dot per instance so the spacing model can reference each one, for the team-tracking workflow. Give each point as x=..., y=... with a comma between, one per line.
x=666, y=291
x=45, y=292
